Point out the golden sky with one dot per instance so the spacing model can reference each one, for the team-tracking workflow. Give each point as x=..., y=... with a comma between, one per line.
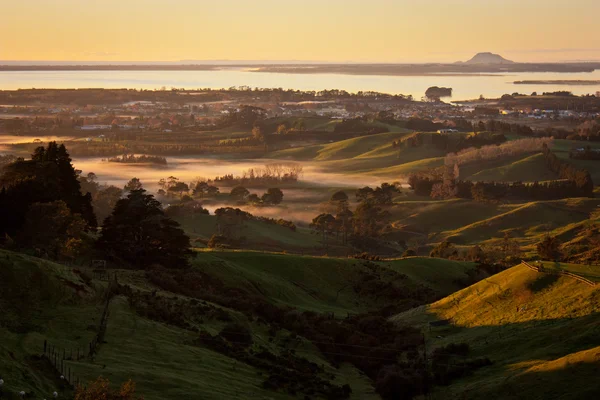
x=317, y=30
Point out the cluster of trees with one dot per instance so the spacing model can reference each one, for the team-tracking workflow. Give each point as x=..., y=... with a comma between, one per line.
x=139, y=233
x=133, y=159
x=495, y=191
x=173, y=186
x=269, y=174
x=589, y=130
x=41, y=205
x=271, y=197
x=579, y=177
x=230, y=224
x=368, y=220
x=492, y=152
x=104, y=197
x=43, y=210
x=444, y=184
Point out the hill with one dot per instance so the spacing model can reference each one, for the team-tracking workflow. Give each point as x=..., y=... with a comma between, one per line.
x=488, y=58
x=542, y=333
x=159, y=338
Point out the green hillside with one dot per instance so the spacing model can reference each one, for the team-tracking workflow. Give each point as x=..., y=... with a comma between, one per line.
x=319, y=283
x=529, y=221
x=530, y=168
x=542, y=333
x=46, y=301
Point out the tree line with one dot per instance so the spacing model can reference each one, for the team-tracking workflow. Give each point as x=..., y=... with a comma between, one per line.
x=133, y=159
x=444, y=183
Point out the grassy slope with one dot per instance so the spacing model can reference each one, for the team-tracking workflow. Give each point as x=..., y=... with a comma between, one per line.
x=343, y=149
x=529, y=168
x=160, y=358
x=312, y=283
x=36, y=299
x=529, y=221
x=262, y=236
x=541, y=331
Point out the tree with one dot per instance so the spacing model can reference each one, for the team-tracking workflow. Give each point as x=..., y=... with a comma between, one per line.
x=49, y=176
x=100, y=390
x=338, y=201
x=323, y=223
x=239, y=193
x=254, y=199
x=385, y=193
x=230, y=221
x=139, y=232
x=133, y=184
x=549, y=248
x=273, y=196
x=281, y=129
x=203, y=189
x=364, y=194
x=369, y=219
x=257, y=133
x=179, y=188
x=52, y=230
x=105, y=200
x=476, y=254
x=444, y=250
x=344, y=219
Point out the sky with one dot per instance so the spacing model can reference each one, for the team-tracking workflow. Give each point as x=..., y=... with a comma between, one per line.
x=303, y=30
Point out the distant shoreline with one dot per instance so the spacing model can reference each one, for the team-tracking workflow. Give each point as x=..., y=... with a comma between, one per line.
x=559, y=82
x=458, y=69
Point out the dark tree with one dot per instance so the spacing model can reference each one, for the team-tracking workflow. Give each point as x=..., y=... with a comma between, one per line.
x=549, y=248
x=323, y=223
x=139, y=232
x=364, y=194
x=239, y=193
x=49, y=176
x=273, y=196
x=133, y=184
x=203, y=189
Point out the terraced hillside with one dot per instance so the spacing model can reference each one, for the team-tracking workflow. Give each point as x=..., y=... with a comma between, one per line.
x=541, y=331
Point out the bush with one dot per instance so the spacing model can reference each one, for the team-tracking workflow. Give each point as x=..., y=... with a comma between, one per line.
x=398, y=384
x=237, y=334
x=409, y=253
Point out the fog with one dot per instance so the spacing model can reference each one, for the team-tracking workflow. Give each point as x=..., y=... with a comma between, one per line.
x=301, y=203
x=302, y=200
x=190, y=168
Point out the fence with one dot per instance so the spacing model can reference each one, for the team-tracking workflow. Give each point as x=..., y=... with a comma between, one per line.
x=99, y=338
x=57, y=357
x=561, y=272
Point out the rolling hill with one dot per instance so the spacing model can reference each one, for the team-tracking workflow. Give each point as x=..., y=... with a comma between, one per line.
x=541, y=331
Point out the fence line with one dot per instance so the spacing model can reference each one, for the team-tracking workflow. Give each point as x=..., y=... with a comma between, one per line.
x=561, y=272
x=99, y=338
x=57, y=356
